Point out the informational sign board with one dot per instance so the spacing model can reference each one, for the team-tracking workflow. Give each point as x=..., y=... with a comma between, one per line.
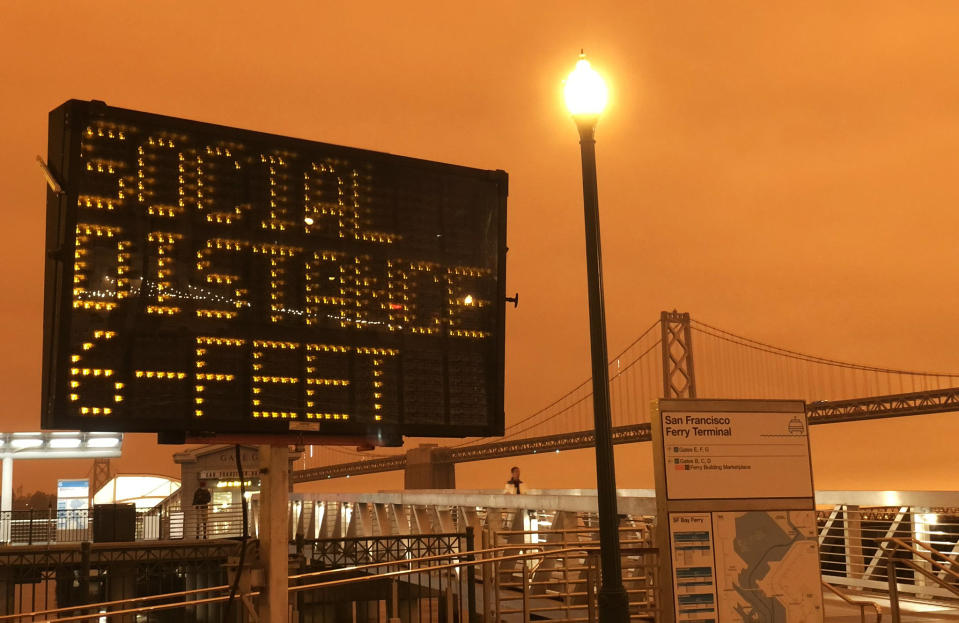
x=694, y=566
x=227, y=474
x=736, y=455
x=73, y=494
x=73, y=503
x=208, y=279
x=735, y=511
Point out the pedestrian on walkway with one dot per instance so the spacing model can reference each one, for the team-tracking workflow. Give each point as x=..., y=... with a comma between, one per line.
x=514, y=486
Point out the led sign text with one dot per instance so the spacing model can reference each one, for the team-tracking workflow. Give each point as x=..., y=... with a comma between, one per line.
x=216, y=279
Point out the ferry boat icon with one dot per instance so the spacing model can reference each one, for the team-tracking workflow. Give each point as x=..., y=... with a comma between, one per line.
x=796, y=427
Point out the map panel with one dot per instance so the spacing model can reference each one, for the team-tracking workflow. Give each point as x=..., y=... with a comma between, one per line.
x=767, y=566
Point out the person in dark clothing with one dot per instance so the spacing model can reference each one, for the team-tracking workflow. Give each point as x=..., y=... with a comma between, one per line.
x=514, y=484
x=201, y=502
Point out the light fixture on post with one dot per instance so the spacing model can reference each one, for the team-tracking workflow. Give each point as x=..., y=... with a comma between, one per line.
x=586, y=97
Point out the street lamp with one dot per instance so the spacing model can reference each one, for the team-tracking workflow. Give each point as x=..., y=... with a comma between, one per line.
x=586, y=97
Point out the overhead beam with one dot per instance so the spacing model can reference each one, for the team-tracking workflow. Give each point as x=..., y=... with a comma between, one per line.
x=878, y=407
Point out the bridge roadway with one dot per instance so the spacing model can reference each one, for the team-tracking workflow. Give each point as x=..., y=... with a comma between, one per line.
x=820, y=412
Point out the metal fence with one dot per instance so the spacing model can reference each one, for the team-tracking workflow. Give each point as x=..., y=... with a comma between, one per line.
x=29, y=527
x=341, y=534
x=853, y=550
x=458, y=587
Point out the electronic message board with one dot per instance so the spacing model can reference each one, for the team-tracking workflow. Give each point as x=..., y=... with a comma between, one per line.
x=208, y=279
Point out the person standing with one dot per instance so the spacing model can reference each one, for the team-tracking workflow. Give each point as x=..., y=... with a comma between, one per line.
x=514, y=486
x=201, y=503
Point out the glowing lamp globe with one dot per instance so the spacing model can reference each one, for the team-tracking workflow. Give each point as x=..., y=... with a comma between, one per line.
x=585, y=91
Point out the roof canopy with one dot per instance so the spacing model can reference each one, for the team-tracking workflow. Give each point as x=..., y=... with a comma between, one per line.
x=144, y=490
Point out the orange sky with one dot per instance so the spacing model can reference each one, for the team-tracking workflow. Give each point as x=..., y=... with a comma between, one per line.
x=785, y=172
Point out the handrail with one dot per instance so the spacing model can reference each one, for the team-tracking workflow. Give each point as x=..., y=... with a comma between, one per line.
x=925, y=555
x=862, y=604
x=329, y=583
x=890, y=545
x=543, y=552
x=904, y=544
x=117, y=602
x=406, y=561
x=179, y=604
x=464, y=563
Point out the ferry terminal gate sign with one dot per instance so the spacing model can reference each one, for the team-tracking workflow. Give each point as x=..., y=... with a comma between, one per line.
x=735, y=511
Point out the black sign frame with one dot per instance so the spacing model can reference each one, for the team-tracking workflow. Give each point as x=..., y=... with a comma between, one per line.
x=65, y=158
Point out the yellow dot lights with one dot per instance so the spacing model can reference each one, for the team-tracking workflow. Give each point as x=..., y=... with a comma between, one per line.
x=327, y=416
x=104, y=131
x=273, y=344
x=215, y=313
x=218, y=278
x=96, y=410
x=365, y=350
x=467, y=333
x=328, y=348
x=188, y=193
x=91, y=372
x=286, y=415
x=162, y=236
x=161, y=374
x=164, y=210
x=225, y=218
x=209, y=376
x=220, y=341
x=276, y=249
x=101, y=231
x=224, y=244
x=275, y=379
x=96, y=203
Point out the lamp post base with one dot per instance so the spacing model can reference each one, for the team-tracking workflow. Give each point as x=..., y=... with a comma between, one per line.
x=613, y=604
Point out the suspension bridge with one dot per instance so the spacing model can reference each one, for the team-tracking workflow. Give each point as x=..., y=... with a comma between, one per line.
x=680, y=357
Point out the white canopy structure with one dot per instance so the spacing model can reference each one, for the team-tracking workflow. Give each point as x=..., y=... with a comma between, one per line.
x=47, y=445
x=144, y=490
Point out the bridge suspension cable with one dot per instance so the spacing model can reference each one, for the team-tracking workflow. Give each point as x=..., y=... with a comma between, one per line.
x=727, y=365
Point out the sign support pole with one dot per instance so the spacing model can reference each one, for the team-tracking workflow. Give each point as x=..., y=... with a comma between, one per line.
x=274, y=540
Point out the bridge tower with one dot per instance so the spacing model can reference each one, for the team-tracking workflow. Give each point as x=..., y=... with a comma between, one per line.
x=100, y=476
x=679, y=379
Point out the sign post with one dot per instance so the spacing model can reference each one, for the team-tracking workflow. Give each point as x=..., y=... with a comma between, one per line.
x=735, y=511
x=274, y=539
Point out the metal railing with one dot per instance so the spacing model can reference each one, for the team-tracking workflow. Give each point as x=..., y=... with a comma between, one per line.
x=29, y=527
x=347, y=530
x=852, y=553
x=862, y=604
x=447, y=588
x=924, y=560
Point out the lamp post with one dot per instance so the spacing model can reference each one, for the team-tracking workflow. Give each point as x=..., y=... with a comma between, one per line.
x=586, y=97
